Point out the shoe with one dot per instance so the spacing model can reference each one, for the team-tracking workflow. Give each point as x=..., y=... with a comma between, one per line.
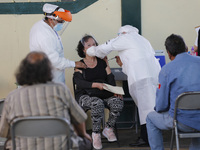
x=139, y=143
x=109, y=134
x=96, y=140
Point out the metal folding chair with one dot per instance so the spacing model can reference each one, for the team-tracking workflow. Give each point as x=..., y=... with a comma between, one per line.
x=185, y=101
x=40, y=126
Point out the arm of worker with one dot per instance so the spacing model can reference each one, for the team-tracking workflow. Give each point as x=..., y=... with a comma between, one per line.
x=119, y=43
x=162, y=93
x=52, y=51
x=102, y=50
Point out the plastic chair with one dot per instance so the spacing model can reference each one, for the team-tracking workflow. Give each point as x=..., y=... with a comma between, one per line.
x=40, y=126
x=185, y=101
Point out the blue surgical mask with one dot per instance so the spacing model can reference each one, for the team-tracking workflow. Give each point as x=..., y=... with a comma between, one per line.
x=58, y=27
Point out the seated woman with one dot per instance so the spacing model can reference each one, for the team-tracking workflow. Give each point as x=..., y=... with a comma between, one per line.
x=90, y=94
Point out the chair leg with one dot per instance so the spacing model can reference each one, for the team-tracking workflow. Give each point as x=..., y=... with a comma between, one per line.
x=116, y=133
x=172, y=140
x=177, y=140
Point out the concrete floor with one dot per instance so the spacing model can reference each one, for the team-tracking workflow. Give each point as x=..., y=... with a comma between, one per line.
x=127, y=136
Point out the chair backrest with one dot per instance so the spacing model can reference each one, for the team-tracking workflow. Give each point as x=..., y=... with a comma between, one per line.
x=119, y=75
x=40, y=126
x=1, y=105
x=188, y=101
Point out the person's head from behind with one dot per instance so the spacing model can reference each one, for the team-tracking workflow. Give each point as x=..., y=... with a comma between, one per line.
x=35, y=68
x=175, y=45
x=86, y=42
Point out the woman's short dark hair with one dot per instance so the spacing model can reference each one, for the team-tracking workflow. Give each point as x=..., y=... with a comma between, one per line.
x=80, y=46
x=175, y=44
x=35, y=68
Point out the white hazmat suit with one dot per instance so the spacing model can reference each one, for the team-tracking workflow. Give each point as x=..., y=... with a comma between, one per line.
x=44, y=38
x=139, y=64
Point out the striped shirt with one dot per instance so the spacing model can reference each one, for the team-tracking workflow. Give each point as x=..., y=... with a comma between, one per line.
x=51, y=99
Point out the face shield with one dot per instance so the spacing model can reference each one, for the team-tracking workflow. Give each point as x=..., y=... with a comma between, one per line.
x=63, y=19
x=60, y=27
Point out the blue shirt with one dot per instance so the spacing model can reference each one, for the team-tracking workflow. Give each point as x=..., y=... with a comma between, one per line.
x=180, y=75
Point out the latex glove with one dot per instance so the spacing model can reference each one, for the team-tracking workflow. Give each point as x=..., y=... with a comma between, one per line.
x=91, y=51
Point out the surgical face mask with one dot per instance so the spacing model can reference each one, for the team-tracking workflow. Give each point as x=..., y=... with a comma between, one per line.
x=58, y=27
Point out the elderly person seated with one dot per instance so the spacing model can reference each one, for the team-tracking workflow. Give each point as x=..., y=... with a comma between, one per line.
x=38, y=96
x=91, y=95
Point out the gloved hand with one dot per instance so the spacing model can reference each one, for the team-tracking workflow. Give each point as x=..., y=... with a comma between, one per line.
x=91, y=51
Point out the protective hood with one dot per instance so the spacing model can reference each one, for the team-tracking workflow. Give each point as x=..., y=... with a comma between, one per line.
x=128, y=29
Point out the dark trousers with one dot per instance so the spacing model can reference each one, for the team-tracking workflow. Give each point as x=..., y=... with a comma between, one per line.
x=143, y=133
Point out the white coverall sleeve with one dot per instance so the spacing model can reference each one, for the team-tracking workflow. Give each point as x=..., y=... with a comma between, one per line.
x=49, y=47
x=117, y=44
x=100, y=51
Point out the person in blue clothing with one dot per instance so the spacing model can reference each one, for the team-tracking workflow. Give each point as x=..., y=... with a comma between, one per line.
x=178, y=76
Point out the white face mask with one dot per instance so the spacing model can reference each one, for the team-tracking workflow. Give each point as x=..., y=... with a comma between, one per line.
x=58, y=27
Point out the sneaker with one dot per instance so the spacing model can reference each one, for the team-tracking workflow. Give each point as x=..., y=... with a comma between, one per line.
x=109, y=134
x=96, y=140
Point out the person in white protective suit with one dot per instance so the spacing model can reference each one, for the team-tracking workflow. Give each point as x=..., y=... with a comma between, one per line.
x=45, y=37
x=138, y=62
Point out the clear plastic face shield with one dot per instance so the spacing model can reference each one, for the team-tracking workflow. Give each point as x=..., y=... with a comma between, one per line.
x=60, y=26
x=65, y=24
x=62, y=20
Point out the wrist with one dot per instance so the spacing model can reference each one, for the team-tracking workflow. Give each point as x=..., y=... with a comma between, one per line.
x=94, y=85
